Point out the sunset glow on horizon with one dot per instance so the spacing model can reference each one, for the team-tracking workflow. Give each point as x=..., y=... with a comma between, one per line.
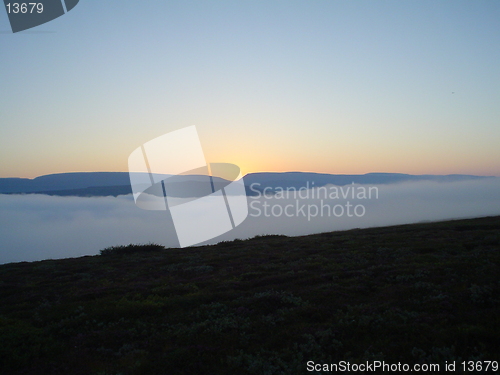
x=328, y=87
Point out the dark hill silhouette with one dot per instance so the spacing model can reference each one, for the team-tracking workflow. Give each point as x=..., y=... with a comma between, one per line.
x=410, y=294
x=118, y=183
x=63, y=181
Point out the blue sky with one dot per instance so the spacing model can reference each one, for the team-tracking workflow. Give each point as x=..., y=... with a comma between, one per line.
x=322, y=86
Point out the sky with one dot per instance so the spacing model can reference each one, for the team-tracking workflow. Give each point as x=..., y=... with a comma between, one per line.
x=319, y=86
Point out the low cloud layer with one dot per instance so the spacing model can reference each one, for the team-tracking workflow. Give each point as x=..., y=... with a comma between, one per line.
x=35, y=227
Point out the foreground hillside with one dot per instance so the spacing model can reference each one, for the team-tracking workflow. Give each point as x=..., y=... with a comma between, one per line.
x=415, y=294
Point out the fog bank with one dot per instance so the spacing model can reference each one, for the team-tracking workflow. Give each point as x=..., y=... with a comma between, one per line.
x=36, y=227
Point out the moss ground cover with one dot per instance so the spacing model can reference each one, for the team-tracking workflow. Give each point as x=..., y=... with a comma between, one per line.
x=422, y=293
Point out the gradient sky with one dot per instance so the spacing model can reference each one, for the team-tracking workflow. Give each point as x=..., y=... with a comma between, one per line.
x=321, y=86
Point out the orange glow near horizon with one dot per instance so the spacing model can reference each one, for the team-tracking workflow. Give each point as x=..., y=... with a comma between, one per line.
x=272, y=161
x=256, y=166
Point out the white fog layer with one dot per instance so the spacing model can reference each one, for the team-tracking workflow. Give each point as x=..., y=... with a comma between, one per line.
x=36, y=227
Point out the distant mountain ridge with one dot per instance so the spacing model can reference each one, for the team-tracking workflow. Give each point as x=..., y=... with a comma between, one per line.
x=63, y=181
x=118, y=183
x=299, y=179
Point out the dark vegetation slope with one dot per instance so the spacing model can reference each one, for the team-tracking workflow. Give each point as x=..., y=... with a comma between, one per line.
x=424, y=293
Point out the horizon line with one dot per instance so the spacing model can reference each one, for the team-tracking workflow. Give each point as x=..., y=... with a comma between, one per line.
x=279, y=172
